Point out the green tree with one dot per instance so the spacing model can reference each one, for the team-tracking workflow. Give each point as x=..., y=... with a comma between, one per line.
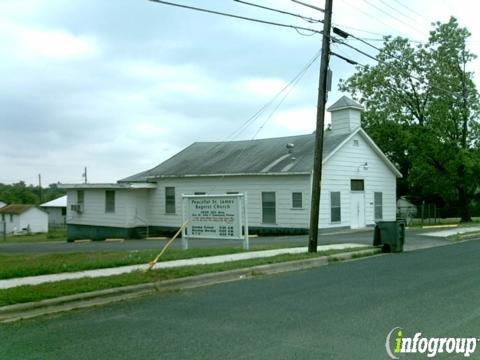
x=20, y=193
x=422, y=106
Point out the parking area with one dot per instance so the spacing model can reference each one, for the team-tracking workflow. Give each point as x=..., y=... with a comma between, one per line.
x=414, y=240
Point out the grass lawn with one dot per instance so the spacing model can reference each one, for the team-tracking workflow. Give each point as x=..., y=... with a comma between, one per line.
x=29, y=293
x=12, y=266
x=53, y=235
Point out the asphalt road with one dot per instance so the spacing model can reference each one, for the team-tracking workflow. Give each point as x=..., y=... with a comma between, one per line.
x=414, y=240
x=339, y=311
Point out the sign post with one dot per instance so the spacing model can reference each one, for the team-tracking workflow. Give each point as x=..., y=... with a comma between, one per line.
x=216, y=216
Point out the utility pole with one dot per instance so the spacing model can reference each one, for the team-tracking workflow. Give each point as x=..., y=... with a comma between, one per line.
x=318, y=155
x=85, y=175
x=40, y=186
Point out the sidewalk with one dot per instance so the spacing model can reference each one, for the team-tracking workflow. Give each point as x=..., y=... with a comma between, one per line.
x=455, y=231
x=35, y=280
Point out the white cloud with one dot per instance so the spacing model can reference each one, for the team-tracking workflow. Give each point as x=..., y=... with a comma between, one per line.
x=263, y=87
x=36, y=44
x=120, y=89
x=297, y=120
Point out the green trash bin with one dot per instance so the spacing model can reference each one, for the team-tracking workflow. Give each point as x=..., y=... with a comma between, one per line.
x=390, y=234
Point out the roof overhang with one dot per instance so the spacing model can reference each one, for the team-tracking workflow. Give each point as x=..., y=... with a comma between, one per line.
x=230, y=175
x=113, y=186
x=359, y=108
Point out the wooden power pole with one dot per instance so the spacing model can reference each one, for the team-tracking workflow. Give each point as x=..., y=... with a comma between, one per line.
x=40, y=187
x=318, y=155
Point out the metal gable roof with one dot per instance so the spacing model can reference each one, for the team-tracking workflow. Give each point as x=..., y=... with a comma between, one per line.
x=58, y=202
x=16, y=209
x=246, y=157
x=345, y=103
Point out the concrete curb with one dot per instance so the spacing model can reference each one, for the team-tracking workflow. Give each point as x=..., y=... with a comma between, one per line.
x=11, y=313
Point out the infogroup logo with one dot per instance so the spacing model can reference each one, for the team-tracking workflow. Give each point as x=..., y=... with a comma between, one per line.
x=397, y=343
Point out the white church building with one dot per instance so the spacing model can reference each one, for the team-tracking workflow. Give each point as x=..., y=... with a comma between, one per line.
x=358, y=184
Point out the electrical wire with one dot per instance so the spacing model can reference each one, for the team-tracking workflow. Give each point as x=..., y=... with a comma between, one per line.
x=290, y=87
x=303, y=34
x=338, y=41
x=410, y=9
x=335, y=29
x=235, y=16
x=369, y=15
x=299, y=77
x=262, y=109
x=357, y=29
x=344, y=58
x=306, y=18
x=392, y=16
x=308, y=5
x=395, y=9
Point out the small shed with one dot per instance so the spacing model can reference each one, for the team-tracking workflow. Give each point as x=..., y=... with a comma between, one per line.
x=56, y=210
x=22, y=217
x=405, y=209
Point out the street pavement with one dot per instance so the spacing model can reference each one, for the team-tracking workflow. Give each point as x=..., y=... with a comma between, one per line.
x=414, y=239
x=340, y=311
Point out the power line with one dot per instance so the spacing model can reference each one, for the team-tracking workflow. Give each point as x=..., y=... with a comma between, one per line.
x=260, y=111
x=345, y=35
x=395, y=9
x=290, y=87
x=308, y=5
x=369, y=15
x=306, y=18
x=336, y=40
x=410, y=9
x=392, y=16
x=297, y=80
x=344, y=58
x=338, y=31
x=361, y=30
x=339, y=41
x=235, y=16
x=303, y=34
x=371, y=33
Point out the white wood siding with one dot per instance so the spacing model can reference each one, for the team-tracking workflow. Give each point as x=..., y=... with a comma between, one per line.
x=55, y=216
x=135, y=207
x=128, y=204
x=347, y=164
x=345, y=121
x=12, y=223
x=253, y=186
x=34, y=218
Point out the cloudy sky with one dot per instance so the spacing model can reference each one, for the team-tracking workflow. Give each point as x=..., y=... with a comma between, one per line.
x=120, y=86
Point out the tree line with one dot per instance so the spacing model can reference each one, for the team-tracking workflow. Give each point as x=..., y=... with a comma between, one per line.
x=20, y=193
x=422, y=108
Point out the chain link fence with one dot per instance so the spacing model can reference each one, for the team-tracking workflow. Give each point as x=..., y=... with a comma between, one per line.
x=431, y=214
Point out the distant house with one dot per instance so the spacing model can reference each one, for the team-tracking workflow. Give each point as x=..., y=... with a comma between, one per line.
x=358, y=184
x=56, y=210
x=20, y=217
x=405, y=209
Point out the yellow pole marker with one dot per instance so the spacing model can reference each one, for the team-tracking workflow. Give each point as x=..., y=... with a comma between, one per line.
x=154, y=261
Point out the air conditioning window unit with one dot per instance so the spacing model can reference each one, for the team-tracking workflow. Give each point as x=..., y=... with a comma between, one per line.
x=76, y=207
